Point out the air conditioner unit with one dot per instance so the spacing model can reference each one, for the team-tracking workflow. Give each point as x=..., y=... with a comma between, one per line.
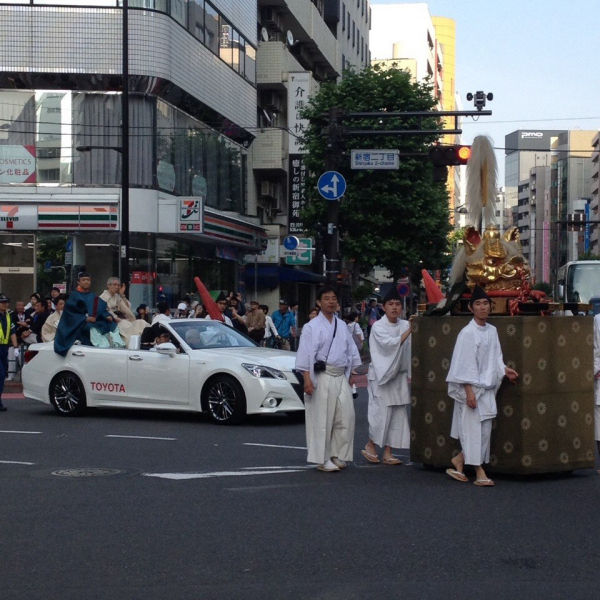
x=268, y=189
x=273, y=101
x=271, y=18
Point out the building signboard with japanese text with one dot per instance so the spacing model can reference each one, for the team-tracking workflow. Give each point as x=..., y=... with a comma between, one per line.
x=17, y=164
x=298, y=96
x=190, y=215
x=296, y=193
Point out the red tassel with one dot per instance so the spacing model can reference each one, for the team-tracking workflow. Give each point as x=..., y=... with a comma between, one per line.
x=211, y=306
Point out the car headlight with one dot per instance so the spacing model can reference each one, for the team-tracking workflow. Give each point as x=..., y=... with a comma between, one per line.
x=262, y=371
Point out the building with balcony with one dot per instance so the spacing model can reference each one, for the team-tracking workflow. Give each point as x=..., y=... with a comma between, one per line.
x=594, y=230
x=193, y=98
x=404, y=35
x=407, y=37
x=301, y=43
x=574, y=183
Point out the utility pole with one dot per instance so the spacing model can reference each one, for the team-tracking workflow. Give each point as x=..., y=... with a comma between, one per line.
x=124, y=242
x=332, y=153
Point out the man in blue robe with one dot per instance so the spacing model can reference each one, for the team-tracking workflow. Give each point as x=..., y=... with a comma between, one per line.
x=82, y=311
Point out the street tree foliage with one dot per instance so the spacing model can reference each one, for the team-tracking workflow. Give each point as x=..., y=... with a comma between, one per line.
x=388, y=218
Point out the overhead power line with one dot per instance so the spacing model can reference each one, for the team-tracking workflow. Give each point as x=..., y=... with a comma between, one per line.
x=531, y=120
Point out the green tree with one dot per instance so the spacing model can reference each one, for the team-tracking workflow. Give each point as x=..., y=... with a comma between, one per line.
x=543, y=286
x=588, y=256
x=392, y=218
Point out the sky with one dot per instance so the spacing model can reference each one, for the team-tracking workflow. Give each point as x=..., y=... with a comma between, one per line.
x=538, y=57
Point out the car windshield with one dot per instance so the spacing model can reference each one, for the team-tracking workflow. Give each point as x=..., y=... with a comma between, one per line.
x=584, y=282
x=200, y=334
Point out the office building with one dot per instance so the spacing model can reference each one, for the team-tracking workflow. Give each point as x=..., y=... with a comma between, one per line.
x=193, y=101
x=407, y=37
x=557, y=167
x=574, y=181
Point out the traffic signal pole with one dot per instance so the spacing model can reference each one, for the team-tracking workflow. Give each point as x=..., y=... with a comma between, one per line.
x=332, y=153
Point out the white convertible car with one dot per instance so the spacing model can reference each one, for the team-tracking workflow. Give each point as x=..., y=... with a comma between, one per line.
x=215, y=370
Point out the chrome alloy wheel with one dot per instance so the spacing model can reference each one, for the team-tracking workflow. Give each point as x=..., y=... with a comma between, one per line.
x=222, y=400
x=68, y=395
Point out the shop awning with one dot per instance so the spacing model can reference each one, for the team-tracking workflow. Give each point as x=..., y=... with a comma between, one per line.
x=271, y=275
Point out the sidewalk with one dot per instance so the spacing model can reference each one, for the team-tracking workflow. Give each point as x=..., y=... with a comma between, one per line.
x=13, y=390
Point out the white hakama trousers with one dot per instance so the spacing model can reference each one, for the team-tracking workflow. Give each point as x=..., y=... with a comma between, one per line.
x=388, y=425
x=330, y=418
x=474, y=434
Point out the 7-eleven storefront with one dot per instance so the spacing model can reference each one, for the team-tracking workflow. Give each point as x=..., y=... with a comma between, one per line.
x=47, y=239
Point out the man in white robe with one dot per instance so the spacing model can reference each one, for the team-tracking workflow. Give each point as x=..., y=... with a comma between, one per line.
x=597, y=380
x=120, y=310
x=389, y=372
x=328, y=393
x=475, y=375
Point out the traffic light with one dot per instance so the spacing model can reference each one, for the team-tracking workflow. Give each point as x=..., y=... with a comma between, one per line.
x=444, y=156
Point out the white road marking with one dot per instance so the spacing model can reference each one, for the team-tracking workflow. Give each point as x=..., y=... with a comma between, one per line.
x=275, y=446
x=141, y=437
x=182, y=476
x=15, y=462
x=31, y=432
x=286, y=467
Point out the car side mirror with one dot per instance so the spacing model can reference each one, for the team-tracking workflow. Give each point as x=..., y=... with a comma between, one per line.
x=167, y=349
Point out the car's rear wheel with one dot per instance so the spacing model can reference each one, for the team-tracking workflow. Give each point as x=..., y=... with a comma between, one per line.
x=225, y=400
x=67, y=395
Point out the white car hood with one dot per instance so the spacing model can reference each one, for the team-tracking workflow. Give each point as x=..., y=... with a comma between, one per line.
x=278, y=359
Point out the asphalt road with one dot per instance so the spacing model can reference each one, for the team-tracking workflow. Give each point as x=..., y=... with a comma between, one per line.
x=226, y=513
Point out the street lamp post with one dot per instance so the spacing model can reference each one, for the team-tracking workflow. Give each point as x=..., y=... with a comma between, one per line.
x=124, y=245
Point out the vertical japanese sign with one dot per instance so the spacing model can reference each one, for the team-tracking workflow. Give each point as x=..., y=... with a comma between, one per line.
x=299, y=86
x=296, y=193
x=298, y=94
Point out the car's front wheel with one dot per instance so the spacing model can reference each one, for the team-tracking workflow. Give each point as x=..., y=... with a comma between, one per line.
x=67, y=395
x=225, y=400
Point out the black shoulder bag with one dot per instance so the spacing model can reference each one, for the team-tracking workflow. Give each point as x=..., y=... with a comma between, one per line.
x=321, y=365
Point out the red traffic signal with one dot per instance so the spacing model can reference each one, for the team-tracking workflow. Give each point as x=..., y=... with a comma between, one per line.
x=444, y=156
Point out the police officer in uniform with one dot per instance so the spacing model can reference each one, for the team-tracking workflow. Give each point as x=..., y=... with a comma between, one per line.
x=7, y=335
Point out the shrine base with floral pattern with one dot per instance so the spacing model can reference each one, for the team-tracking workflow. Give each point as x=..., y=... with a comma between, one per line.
x=545, y=423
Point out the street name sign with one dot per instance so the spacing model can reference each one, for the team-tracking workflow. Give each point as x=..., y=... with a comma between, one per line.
x=375, y=159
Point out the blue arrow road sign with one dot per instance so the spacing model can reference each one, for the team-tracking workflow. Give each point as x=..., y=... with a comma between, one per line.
x=290, y=242
x=332, y=185
x=69, y=246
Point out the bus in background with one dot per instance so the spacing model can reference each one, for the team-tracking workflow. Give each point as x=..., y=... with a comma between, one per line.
x=579, y=281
